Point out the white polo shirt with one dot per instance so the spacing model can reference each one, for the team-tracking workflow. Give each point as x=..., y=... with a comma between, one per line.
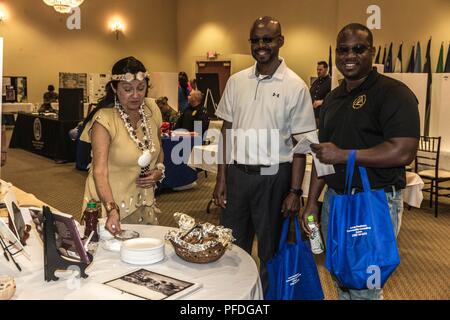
x=265, y=111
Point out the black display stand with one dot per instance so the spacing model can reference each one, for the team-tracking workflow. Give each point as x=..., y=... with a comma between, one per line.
x=52, y=258
x=8, y=254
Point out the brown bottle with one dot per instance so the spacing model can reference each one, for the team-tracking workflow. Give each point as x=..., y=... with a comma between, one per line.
x=90, y=217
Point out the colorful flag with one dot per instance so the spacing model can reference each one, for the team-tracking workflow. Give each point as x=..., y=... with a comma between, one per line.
x=418, y=60
x=399, y=60
x=330, y=63
x=447, y=63
x=384, y=55
x=411, y=60
x=440, y=65
x=377, y=59
x=388, y=64
x=427, y=69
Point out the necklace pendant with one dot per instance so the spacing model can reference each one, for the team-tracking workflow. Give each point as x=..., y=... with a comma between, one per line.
x=144, y=159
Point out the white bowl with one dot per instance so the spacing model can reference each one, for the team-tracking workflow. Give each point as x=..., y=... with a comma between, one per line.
x=143, y=244
x=142, y=251
x=144, y=261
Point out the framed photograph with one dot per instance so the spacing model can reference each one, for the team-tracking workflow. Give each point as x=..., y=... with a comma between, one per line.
x=16, y=221
x=68, y=239
x=11, y=240
x=150, y=285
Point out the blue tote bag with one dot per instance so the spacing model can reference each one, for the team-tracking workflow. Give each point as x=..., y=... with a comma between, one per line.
x=292, y=271
x=361, y=246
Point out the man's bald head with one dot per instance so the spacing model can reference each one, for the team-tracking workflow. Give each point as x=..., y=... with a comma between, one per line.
x=266, y=22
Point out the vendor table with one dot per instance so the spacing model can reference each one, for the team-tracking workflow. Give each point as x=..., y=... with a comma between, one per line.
x=233, y=277
x=44, y=135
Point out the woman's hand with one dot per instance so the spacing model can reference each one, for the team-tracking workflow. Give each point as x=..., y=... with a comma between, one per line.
x=113, y=222
x=150, y=180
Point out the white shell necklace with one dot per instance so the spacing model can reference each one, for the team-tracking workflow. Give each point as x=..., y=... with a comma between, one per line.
x=148, y=146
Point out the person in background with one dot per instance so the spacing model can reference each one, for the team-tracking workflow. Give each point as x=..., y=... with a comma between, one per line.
x=260, y=179
x=4, y=147
x=127, y=158
x=184, y=89
x=193, y=84
x=194, y=112
x=320, y=88
x=49, y=97
x=373, y=114
x=168, y=113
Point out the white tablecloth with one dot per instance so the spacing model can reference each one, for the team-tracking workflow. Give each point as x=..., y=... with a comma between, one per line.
x=205, y=158
x=17, y=107
x=213, y=133
x=232, y=277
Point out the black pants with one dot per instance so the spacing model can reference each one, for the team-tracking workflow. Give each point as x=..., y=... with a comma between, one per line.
x=254, y=207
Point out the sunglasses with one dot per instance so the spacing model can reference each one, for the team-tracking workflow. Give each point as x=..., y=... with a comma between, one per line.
x=358, y=49
x=265, y=40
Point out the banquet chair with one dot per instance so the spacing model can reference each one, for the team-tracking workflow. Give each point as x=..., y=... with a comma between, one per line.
x=427, y=167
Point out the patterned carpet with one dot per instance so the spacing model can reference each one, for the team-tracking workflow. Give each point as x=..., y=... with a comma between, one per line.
x=424, y=242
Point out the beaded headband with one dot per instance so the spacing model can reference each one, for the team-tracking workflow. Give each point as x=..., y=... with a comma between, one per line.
x=128, y=77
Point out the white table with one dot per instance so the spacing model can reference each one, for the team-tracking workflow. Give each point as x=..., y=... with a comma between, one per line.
x=213, y=133
x=17, y=107
x=205, y=158
x=232, y=277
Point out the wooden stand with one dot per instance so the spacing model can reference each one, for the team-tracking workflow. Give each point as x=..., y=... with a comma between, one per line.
x=52, y=258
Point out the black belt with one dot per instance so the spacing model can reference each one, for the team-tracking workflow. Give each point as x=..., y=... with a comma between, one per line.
x=358, y=189
x=255, y=168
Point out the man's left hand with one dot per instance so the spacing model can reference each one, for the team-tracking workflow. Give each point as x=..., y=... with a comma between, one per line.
x=291, y=205
x=317, y=103
x=328, y=153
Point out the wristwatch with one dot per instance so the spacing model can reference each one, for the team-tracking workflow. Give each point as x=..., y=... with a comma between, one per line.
x=110, y=206
x=297, y=192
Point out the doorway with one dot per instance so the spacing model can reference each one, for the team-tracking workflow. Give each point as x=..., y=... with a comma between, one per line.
x=221, y=68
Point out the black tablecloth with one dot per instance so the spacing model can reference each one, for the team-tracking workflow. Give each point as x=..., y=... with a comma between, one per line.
x=44, y=135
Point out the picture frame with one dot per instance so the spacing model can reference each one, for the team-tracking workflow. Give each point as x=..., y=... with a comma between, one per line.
x=150, y=285
x=16, y=221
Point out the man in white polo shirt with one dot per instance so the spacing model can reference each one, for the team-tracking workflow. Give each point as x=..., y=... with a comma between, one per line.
x=263, y=107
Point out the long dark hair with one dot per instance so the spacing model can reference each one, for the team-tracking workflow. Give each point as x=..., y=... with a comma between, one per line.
x=183, y=80
x=123, y=66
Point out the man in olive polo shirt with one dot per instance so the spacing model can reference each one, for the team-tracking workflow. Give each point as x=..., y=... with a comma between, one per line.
x=373, y=114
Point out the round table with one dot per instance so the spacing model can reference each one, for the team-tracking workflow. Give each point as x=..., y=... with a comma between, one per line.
x=233, y=277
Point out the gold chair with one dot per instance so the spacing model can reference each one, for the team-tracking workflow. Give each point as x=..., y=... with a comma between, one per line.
x=427, y=167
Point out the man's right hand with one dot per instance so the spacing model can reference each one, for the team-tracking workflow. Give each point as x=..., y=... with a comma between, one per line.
x=220, y=193
x=311, y=209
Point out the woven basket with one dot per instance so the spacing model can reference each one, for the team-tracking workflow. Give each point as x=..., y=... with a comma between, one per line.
x=206, y=256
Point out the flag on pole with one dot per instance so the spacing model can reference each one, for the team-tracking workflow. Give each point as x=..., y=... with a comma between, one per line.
x=330, y=63
x=388, y=64
x=447, y=63
x=377, y=59
x=440, y=65
x=399, y=60
x=418, y=60
x=411, y=60
x=384, y=55
x=427, y=69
